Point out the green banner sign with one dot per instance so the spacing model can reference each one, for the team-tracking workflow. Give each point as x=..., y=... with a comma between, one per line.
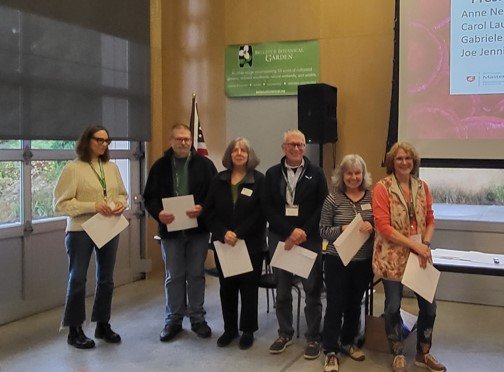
x=271, y=69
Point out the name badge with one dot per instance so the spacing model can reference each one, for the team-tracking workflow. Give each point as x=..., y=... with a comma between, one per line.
x=292, y=210
x=366, y=207
x=246, y=192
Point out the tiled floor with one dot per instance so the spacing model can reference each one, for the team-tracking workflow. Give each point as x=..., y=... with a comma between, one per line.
x=467, y=338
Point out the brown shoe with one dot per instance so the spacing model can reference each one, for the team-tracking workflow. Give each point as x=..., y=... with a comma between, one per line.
x=353, y=352
x=429, y=362
x=399, y=364
x=331, y=363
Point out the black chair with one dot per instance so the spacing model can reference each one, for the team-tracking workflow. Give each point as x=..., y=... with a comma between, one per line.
x=268, y=282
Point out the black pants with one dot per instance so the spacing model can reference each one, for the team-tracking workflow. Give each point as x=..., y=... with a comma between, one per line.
x=247, y=285
x=345, y=288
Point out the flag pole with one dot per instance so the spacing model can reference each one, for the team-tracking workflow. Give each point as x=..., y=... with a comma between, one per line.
x=197, y=131
x=192, y=119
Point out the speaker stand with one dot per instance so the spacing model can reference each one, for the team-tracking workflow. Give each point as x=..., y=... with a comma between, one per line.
x=321, y=155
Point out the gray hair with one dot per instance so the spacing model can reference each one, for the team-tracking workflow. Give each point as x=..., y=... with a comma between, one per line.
x=293, y=132
x=180, y=126
x=253, y=160
x=350, y=162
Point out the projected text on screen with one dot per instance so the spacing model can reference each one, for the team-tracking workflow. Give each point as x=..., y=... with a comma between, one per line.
x=451, y=78
x=477, y=47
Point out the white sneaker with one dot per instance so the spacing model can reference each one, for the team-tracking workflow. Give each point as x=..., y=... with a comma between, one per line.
x=331, y=363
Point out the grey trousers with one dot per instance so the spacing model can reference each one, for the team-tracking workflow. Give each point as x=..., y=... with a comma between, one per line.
x=184, y=259
x=312, y=288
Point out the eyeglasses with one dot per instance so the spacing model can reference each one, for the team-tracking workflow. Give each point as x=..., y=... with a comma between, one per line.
x=293, y=145
x=182, y=139
x=400, y=159
x=102, y=141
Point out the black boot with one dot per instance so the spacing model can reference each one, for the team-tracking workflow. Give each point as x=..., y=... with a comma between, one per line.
x=104, y=331
x=78, y=339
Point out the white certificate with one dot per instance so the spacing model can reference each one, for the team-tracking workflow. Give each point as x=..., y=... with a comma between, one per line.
x=297, y=260
x=233, y=260
x=102, y=229
x=351, y=240
x=178, y=206
x=422, y=281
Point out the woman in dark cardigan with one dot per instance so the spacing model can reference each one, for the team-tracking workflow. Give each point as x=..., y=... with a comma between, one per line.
x=233, y=212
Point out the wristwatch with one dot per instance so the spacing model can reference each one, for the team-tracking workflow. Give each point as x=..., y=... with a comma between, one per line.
x=427, y=243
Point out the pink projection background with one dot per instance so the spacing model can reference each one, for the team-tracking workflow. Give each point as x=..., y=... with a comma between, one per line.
x=428, y=108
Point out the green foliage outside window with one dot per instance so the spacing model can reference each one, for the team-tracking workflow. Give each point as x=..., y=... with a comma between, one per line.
x=10, y=144
x=52, y=145
x=10, y=179
x=44, y=177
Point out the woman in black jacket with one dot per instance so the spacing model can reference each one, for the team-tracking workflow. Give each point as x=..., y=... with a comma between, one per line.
x=232, y=212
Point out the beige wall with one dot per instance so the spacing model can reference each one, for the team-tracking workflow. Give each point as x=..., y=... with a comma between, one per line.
x=356, y=46
x=356, y=57
x=188, y=40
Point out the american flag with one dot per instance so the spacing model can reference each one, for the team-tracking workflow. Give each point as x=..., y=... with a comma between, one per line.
x=198, y=138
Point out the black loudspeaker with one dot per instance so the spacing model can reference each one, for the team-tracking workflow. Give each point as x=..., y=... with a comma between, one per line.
x=317, y=112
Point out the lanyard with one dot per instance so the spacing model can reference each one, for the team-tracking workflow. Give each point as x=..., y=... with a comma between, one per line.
x=292, y=191
x=101, y=177
x=411, y=205
x=177, y=171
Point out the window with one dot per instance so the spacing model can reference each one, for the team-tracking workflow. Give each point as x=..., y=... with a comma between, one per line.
x=466, y=193
x=52, y=145
x=10, y=144
x=10, y=192
x=43, y=170
x=44, y=175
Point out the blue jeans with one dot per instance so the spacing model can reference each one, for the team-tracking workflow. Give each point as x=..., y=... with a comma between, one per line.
x=312, y=288
x=184, y=258
x=79, y=247
x=345, y=289
x=394, y=324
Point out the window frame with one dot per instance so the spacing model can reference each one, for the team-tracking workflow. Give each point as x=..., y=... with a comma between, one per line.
x=25, y=155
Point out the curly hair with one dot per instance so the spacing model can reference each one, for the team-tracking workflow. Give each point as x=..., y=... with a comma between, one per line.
x=407, y=148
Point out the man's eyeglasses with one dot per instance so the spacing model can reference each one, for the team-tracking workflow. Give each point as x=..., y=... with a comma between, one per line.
x=293, y=145
x=182, y=139
x=101, y=141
